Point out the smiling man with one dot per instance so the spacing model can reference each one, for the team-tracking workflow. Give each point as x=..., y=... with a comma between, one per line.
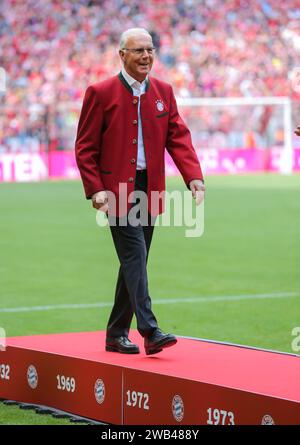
x=137, y=53
x=125, y=125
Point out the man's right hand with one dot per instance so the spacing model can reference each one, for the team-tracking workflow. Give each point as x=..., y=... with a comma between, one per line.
x=100, y=201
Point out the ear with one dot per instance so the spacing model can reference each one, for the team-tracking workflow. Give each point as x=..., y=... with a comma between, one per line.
x=122, y=54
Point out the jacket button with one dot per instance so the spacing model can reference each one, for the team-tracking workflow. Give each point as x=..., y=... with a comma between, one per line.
x=134, y=101
x=130, y=179
x=134, y=141
x=134, y=122
x=132, y=161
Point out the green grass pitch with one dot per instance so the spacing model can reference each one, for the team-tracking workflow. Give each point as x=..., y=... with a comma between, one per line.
x=52, y=253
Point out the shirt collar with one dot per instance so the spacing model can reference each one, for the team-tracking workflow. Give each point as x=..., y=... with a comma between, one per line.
x=130, y=80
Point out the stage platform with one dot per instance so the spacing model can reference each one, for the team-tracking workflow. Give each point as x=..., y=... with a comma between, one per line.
x=195, y=382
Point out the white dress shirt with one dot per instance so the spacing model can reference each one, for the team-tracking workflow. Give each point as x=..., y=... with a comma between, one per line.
x=138, y=88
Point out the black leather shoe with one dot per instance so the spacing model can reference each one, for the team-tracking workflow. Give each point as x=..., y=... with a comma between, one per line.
x=122, y=345
x=157, y=341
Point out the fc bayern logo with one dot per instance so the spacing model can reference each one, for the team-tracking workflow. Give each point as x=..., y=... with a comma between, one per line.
x=99, y=391
x=32, y=377
x=267, y=420
x=177, y=408
x=159, y=105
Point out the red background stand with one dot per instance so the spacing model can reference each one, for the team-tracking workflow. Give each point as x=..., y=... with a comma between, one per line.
x=194, y=382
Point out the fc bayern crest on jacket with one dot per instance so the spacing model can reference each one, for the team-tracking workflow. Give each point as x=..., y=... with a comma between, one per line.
x=159, y=105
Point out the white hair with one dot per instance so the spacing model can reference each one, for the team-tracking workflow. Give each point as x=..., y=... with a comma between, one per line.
x=132, y=32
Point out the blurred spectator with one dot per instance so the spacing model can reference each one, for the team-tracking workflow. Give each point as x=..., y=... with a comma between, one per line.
x=52, y=50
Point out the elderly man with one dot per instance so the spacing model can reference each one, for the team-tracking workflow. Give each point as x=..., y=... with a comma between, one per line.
x=126, y=123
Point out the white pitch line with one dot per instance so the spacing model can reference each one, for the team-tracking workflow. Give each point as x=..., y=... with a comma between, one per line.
x=207, y=299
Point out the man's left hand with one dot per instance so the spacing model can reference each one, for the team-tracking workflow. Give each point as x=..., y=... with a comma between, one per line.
x=198, y=190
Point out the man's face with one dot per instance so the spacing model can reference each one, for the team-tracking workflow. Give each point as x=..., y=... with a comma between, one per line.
x=137, y=65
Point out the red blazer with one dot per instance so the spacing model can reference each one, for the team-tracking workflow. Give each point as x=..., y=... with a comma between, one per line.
x=106, y=142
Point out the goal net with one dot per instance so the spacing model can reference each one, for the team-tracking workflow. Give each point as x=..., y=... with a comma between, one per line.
x=241, y=123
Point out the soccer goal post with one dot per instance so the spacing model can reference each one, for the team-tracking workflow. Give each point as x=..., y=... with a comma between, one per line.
x=286, y=159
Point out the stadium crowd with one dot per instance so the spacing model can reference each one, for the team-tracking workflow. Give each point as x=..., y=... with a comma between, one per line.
x=52, y=50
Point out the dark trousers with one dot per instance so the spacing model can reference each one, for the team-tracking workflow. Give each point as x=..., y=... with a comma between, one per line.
x=132, y=244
